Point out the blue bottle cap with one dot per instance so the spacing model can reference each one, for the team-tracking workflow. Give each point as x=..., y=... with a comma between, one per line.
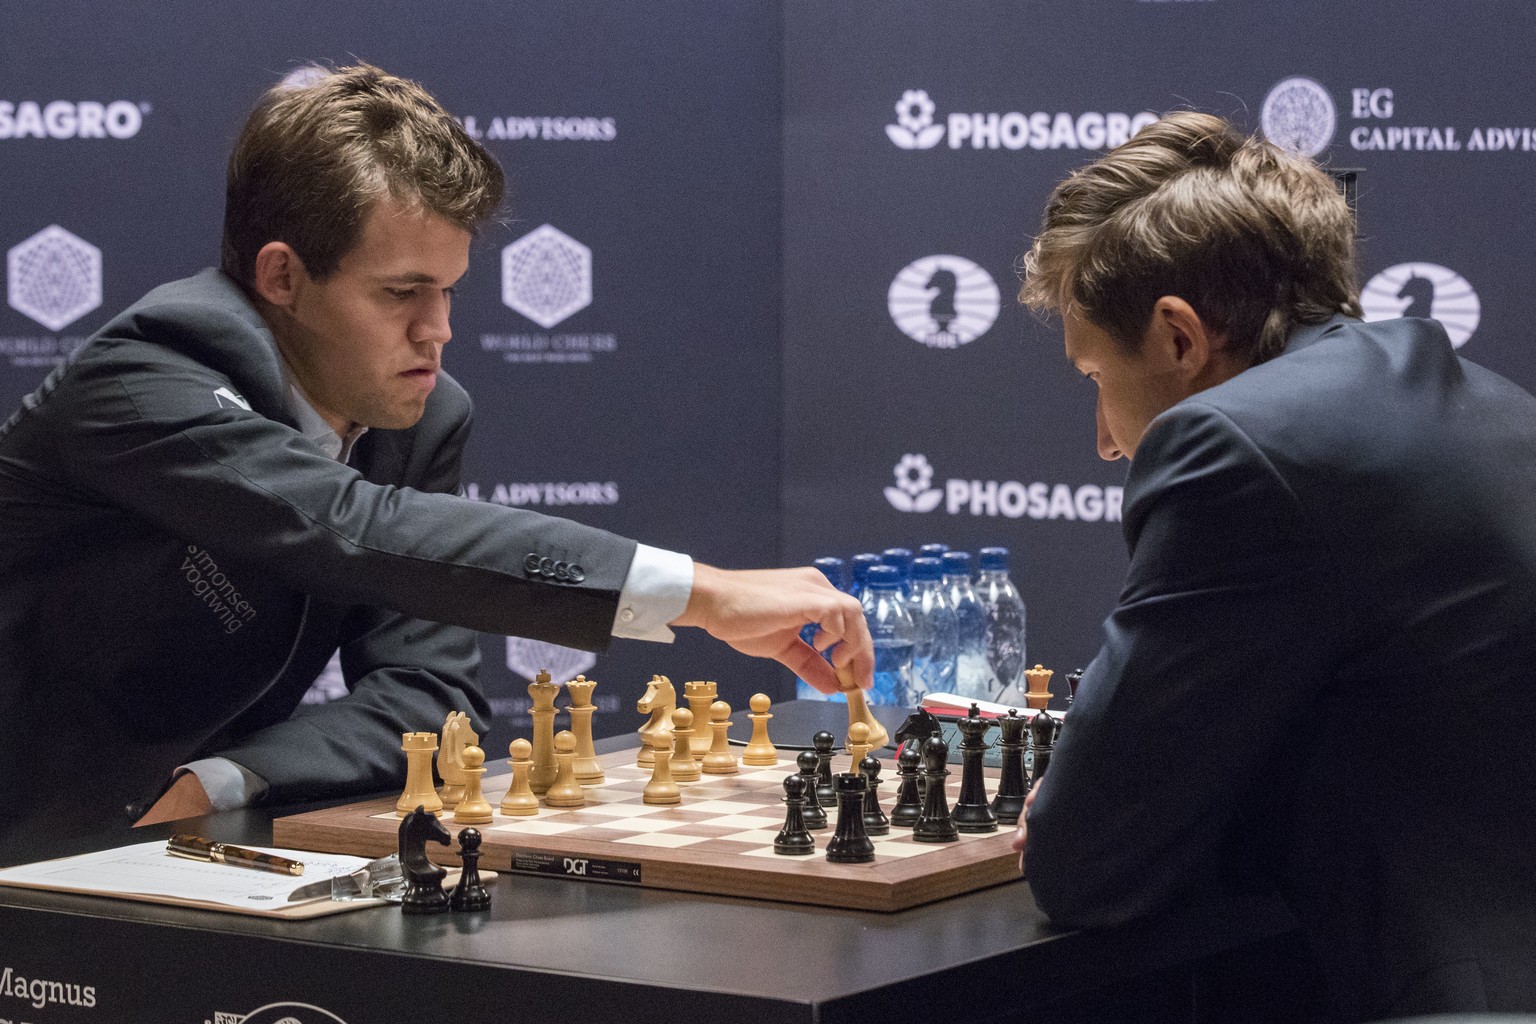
x=994, y=558
x=883, y=577
x=932, y=550
x=832, y=568
x=957, y=563
x=861, y=564
x=927, y=568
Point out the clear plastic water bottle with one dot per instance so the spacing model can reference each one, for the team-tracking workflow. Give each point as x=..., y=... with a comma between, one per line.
x=973, y=675
x=890, y=625
x=901, y=558
x=834, y=570
x=860, y=565
x=938, y=634
x=1005, y=624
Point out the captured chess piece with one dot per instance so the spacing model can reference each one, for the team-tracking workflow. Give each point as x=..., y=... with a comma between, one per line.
x=720, y=760
x=850, y=844
x=684, y=767
x=470, y=894
x=473, y=808
x=662, y=789
x=972, y=813
x=419, y=792
x=423, y=880
x=760, y=752
x=858, y=708
x=457, y=734
x=700, y=694
x=588, y=771
x=520, y=800
x=1008, y=804
x=909, y=802
x=565, y=791
x=794, y=839
x=875, y=821
x=1038, y=695
x=543, y=692
x=815, y=815
x=658, y=701
x=822, y=743
x=935, y=825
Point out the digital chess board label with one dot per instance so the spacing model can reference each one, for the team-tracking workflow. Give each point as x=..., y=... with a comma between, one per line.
x=718, y=840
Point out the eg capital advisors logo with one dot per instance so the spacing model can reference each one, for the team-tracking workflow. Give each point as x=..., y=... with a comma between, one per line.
x=1298, y=115
x=53, y=277
x=914, y=491
x=914, y=127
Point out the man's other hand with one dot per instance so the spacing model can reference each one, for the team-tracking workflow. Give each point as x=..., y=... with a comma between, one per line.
x=185, y=799
x=761, y=612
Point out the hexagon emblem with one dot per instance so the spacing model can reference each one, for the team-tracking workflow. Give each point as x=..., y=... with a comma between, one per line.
x=546, y=276
x=54, y=277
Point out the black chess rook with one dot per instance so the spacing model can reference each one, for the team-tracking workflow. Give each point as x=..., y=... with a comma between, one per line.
x=850, y=844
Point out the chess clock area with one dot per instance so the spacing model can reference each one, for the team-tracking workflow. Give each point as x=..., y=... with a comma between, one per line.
x=551, y=948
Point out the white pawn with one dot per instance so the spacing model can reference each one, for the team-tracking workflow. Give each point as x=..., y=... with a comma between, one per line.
x=565, y=791
x=473, y=808
x=684, y=767
x=760, y=751
x=520, y=800
x=662, y=789
x=720, y=760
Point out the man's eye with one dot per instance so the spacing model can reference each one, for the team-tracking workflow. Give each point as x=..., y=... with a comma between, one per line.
x=401, y=293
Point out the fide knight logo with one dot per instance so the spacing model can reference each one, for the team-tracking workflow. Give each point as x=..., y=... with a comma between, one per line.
x=943, y=301
x=527, y=657
x=546, y=276
x=913, y=491
x=1298, y=115
x=914, y=127
x=1424, y=290
x=54, y=277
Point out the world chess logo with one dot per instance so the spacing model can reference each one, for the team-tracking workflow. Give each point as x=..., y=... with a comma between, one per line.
x=54, y=277
x=914, y=127
x=914, y=490
x=1298, y=115
x=546, y=276
x=279, y=1013
x=527, y=657
x=943, y=301
x=1424, y=290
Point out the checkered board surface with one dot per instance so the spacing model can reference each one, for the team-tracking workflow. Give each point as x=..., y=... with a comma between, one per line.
x=718, y=840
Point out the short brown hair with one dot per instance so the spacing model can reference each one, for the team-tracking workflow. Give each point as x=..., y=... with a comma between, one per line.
x=314, y=157
x=1254, y=238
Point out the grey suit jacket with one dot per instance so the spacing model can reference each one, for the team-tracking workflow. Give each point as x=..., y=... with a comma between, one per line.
x=177, y=563
x=1320, y=673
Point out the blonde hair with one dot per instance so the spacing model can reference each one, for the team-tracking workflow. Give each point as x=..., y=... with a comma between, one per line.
x=1255, y=239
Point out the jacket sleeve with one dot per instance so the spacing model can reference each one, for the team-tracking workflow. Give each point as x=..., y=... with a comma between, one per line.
x=1217, y=646
x=150, y=437
x=402, y=674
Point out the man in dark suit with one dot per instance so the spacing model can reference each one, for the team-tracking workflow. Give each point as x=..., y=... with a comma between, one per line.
x=1321, y=667
x=254, y=468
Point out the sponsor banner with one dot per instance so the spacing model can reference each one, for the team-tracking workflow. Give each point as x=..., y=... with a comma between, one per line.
x=943, y=301
x=546, y=276
x=67, y=119
x=1424, y=290
x=526, y=494
x=53, y=277
x=542, y=128
x=920, y=126
x=917, y=490
x=1300, y=114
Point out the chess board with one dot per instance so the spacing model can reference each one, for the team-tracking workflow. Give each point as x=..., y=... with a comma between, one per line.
x=718, y=840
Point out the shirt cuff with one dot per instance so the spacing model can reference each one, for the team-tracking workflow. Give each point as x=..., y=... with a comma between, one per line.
x=655, y=592
x=229, y=786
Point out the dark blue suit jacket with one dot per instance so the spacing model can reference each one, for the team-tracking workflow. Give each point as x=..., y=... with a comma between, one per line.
x=1321, y=672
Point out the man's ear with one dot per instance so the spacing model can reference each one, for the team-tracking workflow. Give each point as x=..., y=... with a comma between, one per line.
x=1181, y=337
x=278, y=275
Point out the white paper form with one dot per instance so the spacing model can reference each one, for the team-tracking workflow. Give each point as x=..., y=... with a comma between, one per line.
x=146, y=869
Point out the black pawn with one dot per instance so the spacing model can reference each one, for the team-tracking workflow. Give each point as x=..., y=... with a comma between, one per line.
x=935, y=825
x=1008, y=804
x=814, y=814
x=875, y=821
x=850, y=844
x=793, y=840
x=909, y=802
x=972, y=813
x=1073, y=678
x=1042, y=734
x=470, y=894
x=823, y=742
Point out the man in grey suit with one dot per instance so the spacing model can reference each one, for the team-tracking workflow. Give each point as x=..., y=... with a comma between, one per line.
x=254, y=468
x=1321, y=667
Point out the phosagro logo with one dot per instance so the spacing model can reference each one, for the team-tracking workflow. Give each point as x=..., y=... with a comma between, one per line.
x=1298, y=115
x=943, y=301
x=53, y=277
x=916, y=128
x=1424, y=290
x=546, y=276
x=62, y=119
x=914, y=492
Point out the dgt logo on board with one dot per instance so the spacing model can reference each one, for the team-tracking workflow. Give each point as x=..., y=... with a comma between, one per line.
x=1298, y=115
x=943, y=301
x=53, y=277
x=1424, y=290
x=546, y=276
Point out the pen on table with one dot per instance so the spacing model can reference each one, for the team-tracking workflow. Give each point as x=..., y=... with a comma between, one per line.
x=198, y=848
